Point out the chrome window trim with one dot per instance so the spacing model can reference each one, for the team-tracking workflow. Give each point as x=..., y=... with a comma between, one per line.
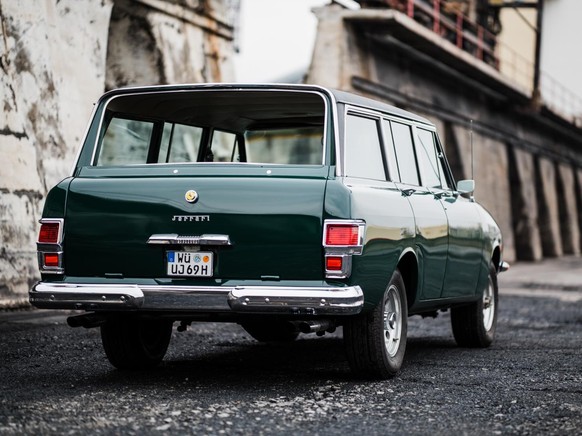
x=322, y=92
x=85, y=135
x=336, y=138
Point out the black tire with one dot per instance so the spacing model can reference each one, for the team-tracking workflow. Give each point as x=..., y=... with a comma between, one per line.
x=375, y=342
x=271, y=331
x=135, y=343
x=474, y=324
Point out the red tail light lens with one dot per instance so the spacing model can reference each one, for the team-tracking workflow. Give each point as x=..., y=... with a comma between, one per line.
x=338, y=234
x=333, y=263
x=51, y=259
x=49, y=233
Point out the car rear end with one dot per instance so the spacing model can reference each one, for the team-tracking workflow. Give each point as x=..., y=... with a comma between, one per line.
x=201, y=202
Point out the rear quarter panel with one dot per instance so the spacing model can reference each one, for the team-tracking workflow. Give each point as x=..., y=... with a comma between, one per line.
x=389, y=231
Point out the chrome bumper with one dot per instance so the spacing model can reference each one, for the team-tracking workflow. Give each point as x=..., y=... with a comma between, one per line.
x=238, y=299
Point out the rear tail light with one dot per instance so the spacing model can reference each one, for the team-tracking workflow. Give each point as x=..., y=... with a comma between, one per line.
x=333, y=263
x=49, y=233
x=51, y=259
x=341, y=240
x=49, y=246
x=342, y=234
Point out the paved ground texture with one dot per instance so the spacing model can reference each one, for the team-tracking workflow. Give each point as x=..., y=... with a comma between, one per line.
x=217, y=380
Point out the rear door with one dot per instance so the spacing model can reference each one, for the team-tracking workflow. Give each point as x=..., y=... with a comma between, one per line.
x=430, y=218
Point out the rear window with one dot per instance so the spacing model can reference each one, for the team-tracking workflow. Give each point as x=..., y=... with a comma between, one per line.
x=255, y=127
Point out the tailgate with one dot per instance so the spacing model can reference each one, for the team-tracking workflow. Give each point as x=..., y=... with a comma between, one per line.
x=274, y=225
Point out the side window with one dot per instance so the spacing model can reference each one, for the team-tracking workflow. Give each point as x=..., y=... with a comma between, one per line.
x=363, y=156
x=126, y=142
x=405, y=153
x=443, y=173
x=390, y=151
x=427, y=159
x=222, y=147
x=285, y=145
x=180, y=143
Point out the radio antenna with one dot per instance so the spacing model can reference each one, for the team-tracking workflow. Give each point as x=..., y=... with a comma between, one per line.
x=471, y=141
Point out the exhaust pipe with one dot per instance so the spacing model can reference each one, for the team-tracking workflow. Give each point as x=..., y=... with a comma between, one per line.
x=319, y=326
x=87, y=320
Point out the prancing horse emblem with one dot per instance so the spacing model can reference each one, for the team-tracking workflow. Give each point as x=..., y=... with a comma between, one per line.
x=191, y=196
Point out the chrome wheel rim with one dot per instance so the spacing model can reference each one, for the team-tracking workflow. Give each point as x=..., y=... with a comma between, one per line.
x=488, y=306
x=392, y=321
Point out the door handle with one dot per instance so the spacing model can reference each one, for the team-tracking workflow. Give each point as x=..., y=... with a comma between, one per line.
x=408, y=192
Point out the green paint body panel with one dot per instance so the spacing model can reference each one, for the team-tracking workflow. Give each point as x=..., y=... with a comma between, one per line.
x=274, y=222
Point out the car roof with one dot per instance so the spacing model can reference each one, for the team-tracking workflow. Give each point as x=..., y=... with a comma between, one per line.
x=340, y=96
x=358, y=100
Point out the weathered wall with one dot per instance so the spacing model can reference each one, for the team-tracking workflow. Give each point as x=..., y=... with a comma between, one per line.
x=56, y=58
x=53, y=66
x=173, y=41
x=526, y=164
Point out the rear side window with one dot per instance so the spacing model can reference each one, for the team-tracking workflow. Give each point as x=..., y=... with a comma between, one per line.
x=404, y=146
x=363, y=155
x=180, y=143
x=390, y=151
x=126, y=142
x=428, y=163
x=300, y=145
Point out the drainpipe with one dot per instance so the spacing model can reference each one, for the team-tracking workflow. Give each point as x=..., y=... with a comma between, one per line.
x=536, y=93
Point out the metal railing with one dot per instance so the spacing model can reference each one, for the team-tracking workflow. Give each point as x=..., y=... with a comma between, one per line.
x=452, y=24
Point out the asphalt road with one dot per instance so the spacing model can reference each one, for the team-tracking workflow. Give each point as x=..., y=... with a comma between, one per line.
x=217, y=380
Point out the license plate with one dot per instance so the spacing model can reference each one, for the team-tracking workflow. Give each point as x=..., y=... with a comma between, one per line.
x=189, y=264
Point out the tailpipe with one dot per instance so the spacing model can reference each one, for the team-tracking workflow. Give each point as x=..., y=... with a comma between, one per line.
x=318, y=326
x=87, y=320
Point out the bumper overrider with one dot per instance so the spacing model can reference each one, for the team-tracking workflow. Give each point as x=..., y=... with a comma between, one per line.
x=237, y=299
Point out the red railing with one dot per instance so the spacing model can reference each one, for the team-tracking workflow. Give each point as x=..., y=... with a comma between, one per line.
x=454, y=26
x=457, y=28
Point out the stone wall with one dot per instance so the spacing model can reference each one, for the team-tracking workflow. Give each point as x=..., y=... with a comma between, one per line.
x=56, y=58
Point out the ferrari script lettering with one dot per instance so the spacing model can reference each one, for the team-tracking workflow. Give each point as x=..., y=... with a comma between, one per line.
x=191, y=218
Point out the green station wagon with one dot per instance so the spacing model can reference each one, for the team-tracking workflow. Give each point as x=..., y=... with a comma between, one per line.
x=284, y=208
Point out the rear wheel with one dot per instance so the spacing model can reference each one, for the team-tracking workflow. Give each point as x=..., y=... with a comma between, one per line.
x=271, y=331
x=375, y=342
x=474, y=324
x=135, y=343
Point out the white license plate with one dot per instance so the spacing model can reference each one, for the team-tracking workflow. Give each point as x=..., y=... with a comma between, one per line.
x=189, y=263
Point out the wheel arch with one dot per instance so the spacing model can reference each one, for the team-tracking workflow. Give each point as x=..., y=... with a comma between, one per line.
x=496, y=257
x=408, y=267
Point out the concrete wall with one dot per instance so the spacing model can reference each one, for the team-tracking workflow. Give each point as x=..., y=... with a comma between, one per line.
x=53, y=67
x=56, y=58
x=527, y=162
